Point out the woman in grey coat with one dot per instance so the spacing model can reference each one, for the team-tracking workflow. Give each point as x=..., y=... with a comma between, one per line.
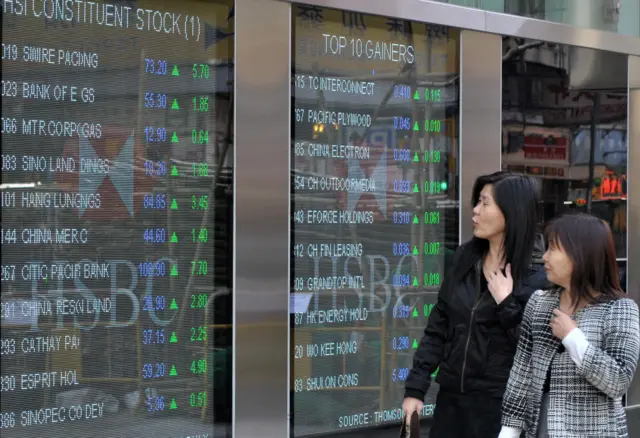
x=579, y=342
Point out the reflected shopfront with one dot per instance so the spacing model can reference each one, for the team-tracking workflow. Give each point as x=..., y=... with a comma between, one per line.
x=564, y=121
x=619, y=16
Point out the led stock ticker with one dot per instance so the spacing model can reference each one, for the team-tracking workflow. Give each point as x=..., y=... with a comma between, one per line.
x=109, y=121
x=373, y=204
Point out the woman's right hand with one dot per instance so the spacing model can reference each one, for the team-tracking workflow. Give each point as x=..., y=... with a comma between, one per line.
x=411, y=405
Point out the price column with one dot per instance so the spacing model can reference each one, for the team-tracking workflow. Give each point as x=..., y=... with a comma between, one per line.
x=418, y=153
x=176, y=134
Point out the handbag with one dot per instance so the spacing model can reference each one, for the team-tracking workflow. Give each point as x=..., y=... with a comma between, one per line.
x=413, y=429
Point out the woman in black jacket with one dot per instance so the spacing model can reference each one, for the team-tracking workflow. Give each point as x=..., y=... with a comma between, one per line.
x=472, y=333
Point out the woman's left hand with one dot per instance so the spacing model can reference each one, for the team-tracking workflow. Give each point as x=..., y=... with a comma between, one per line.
x=561, y=324
x=500, y=285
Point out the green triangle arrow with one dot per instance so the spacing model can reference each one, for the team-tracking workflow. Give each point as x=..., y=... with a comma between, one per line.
x=174, y=238
x=415, y=219
x=416, y=189
x=173, y=371
x=174, y=272
x=174, y=105
x=416, y=127
x=415, y=343
x=415, y=281
x=416, y=95
x=416, y=159
x=415, y=313
x=174, y=171
x=174, y=338
x=174, y=304
x=174, y=205
x=415, y=250
x=173, y=404
x=175, y=71
x=174, y=138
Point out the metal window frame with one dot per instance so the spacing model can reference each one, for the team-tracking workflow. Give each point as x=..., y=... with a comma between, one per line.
x=488, y=21
x=262, y=167
x=633, y=206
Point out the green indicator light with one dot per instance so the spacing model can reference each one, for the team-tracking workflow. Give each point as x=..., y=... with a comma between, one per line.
x=174, y=304
x=415, y=281
x=416, y=95
x=173, y=404
x=432, y=217
x=174, y=105
x=415, y=343
x=174, y=273
x=427, y=309
x=435, y=373
x=174, y=205
x=416, y=127
x=432, y=125
x=416, y=159
x=415, y=250
x=174, y=338
x=174, y=238
x=415, y=313
x=416, y=189
x=431, y=248
x=443, y=185
x=432, y=94
x=415, y=219
x=173, y=371
x=174, y=171
x=175, y=71
x=431, y=279
x=174, y=138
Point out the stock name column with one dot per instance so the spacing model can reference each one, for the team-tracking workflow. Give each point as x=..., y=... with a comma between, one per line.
x=373, y=167
x=53, y=275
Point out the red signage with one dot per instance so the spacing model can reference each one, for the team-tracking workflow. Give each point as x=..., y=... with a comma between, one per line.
x=539, y=147
x=613, y=186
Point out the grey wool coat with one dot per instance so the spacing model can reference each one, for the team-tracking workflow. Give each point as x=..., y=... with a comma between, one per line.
x=586, y=400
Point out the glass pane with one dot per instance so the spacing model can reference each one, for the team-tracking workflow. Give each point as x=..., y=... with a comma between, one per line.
x=564, y=121
x=620, y=16
x=375, y=192
x=487, y=5
x=622, y=268
x=117, y=167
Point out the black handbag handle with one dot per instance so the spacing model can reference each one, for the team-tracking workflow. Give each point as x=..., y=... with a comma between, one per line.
x=413, y=430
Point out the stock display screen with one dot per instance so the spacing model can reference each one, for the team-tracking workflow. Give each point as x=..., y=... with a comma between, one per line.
x=116, y=188
x=374, y=157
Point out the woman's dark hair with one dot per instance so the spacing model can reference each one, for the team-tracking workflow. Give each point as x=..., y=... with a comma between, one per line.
x=588, y=242
x=517, y=197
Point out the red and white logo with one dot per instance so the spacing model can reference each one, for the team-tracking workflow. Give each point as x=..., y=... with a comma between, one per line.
x=112, y=167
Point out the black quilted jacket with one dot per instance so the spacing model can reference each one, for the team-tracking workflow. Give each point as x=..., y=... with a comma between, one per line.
x=469, y=338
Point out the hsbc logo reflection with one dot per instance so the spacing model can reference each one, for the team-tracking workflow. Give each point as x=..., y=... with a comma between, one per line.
x=121, y=173
x=110, y=167
x=378, y=295
x=122, y=294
